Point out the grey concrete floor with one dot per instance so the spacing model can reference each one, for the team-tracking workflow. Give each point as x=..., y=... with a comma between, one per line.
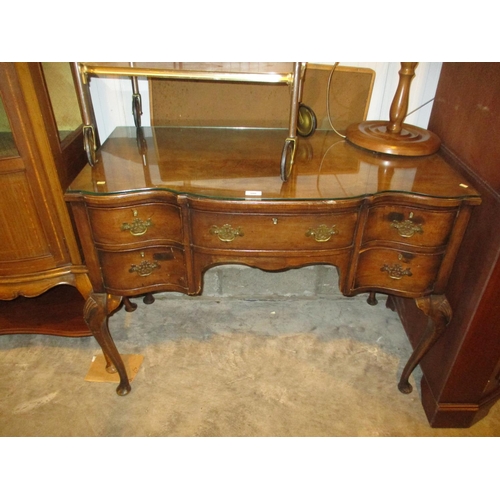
x=258, y=354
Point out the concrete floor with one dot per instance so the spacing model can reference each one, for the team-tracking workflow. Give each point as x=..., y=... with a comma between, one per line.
x=258, y=354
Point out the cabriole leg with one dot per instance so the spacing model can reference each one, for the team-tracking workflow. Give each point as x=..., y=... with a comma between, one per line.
x=97, y=309
x=437, y=308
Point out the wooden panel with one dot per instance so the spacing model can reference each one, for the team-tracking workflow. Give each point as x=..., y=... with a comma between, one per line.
x=466, y=116
x=22, y=233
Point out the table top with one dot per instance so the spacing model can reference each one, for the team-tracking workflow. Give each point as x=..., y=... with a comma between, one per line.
x=238, y=164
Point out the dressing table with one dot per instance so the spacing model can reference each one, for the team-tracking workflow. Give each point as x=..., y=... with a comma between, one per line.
x=162, y=205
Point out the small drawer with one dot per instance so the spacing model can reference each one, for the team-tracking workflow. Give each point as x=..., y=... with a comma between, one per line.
x=397, y=271
x=273, y=231
x=414, y=226
x=130, y=271
x=146, y=222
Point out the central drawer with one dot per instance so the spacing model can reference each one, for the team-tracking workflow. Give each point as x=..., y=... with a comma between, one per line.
x=273, y=231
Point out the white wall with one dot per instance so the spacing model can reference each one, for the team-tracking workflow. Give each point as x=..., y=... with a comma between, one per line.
x=112, y=101
x=423, y=88
x=112, y=97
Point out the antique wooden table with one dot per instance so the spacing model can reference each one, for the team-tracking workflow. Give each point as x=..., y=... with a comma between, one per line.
x=162, y=205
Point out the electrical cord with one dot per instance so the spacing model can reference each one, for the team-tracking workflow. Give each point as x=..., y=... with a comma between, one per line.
x=328, y=102
x=421, y=106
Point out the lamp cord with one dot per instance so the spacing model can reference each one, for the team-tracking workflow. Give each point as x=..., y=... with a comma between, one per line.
x=328, y=102
x=421, y=106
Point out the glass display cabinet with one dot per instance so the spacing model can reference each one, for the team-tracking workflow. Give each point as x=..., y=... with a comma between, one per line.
x=43, y=282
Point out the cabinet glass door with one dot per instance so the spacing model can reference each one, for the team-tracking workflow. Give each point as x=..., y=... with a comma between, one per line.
x=62, y=93
x=7, y=145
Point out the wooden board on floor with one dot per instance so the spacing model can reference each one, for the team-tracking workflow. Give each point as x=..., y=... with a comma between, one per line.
x=97, y=371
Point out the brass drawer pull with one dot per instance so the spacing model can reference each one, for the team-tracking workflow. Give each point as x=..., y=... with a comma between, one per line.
x=145, y=268
x=396, y=272
x=226, y=232
x=322, y=233
x=138, y=227
x=407, y=228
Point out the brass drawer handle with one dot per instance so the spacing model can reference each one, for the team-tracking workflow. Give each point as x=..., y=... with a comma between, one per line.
x=396, y=272
x=407, y=228
x=226, y=232
x=145, y=268
x=138, y=227
x=322, y=233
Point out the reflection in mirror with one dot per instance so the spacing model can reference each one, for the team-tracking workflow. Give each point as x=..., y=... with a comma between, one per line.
x=7, y=144
x=63, y=97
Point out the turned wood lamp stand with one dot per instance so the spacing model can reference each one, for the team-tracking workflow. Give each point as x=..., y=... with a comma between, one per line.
x=395, y=137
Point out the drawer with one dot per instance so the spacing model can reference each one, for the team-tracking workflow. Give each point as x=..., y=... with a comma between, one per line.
x=414, y=226
x=397, y=271
x=145, y=222
x=132, y=270
x=273, y=231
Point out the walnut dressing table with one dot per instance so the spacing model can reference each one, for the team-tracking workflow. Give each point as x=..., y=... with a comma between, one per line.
x=162, y=205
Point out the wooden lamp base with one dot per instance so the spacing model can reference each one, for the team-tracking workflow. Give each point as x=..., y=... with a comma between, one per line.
x=395, y=137
x=375, y=136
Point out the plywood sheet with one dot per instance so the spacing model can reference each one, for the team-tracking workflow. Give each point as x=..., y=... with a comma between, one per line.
x=97, y=371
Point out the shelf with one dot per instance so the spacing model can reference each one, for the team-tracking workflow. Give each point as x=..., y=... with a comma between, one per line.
x=58, y=311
